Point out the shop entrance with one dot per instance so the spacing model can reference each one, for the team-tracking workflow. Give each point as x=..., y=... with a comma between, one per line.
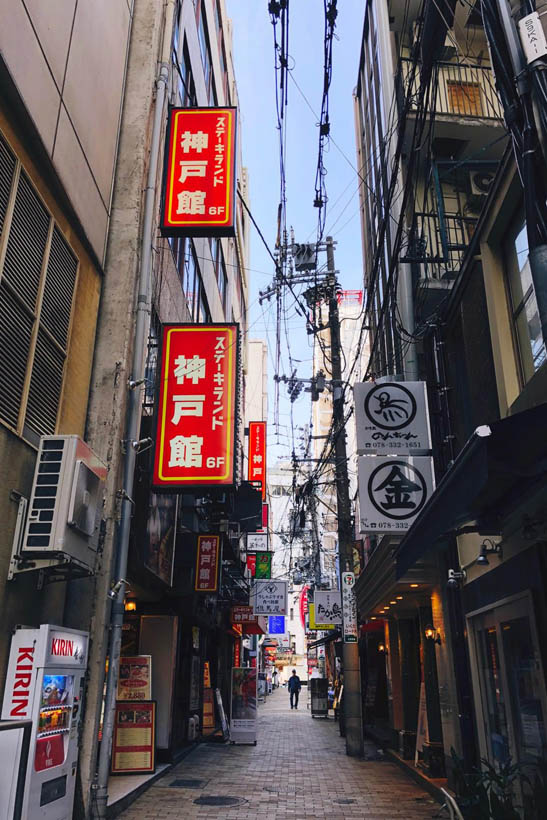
x=510, y=697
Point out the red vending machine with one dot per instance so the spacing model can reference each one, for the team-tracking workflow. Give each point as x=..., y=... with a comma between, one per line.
x=44, y=683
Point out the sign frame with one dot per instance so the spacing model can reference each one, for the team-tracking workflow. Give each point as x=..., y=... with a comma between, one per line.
x=183, y=483
x=328, y=606
x=417, y=471
x=126, y=687
x=147, y=707
x=382, y=428
x=257, y=449
x=350, y=629
x=199, y=228
x=199, y=556
x=256, y=542
x=243, y=723
x=259, y=593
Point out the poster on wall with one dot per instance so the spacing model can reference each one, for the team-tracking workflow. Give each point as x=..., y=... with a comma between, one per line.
x=161, y=532
x=243, y=705
x=135, y=678
x=134, y=743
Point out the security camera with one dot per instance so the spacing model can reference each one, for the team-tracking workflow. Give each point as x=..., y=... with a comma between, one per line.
x=455, y=577
x=113, y=592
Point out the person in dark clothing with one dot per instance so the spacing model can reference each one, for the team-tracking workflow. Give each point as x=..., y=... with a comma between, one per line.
x=294, y=686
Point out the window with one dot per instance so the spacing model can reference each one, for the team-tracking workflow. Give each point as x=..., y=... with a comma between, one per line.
x=37, y=281
x=464, y=98
x=205, y=49
x=220, y=269
x=526, y=323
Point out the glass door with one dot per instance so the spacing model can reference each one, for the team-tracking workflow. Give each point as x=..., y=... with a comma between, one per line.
x=511, y=704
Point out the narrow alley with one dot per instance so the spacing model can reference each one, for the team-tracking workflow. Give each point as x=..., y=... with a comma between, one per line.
x=298, y=769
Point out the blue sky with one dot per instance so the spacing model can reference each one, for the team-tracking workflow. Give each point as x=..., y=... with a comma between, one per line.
x=254, y=66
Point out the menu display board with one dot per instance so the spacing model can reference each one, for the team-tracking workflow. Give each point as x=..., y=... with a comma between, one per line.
x=133, y=747
x=135, y=679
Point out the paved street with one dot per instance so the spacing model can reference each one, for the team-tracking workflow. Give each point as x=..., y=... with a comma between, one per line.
x=298, y=769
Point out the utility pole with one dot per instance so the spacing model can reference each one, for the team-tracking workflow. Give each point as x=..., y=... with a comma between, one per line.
x=352, y=675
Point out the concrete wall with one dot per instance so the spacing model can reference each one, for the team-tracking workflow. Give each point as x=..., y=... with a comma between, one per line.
x=20, y=600
x=67, y=60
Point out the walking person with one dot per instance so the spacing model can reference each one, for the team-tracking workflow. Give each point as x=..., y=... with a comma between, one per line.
x=294, y=687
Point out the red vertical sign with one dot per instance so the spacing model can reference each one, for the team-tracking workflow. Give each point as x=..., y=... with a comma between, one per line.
x=257, y=454
x=207, y=563
x=200, y=173
x=195, y=435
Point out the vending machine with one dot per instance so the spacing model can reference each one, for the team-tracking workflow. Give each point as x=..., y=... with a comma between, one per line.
x=44, y=683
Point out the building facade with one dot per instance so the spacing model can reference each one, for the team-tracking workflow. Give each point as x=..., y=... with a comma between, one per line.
x=454, y=615
x=79, y=214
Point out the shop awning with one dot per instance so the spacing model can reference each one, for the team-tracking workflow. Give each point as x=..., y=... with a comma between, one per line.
x=494, y=470
x=332, y=636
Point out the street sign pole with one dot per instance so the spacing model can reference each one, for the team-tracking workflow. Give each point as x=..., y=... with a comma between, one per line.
x=352, y=674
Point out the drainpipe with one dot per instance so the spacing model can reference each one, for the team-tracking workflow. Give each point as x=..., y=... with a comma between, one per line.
x=100, y=787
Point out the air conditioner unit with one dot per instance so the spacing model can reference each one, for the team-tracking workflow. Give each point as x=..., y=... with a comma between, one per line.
x=64, y=507
x=481, y=182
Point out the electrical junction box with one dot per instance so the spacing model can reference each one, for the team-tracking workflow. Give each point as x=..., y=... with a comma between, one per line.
x=65, y=504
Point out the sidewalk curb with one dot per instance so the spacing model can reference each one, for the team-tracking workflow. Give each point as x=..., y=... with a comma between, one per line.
x=114, y=809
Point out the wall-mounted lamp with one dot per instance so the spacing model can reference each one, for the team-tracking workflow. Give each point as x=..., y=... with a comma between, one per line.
x=488, y=547
x=130, y=606
x=432, y=635
x=454, y=578
x=382, y=648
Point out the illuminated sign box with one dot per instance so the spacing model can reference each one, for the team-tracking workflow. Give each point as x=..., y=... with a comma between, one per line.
x=257, y=454
x=196, y=423
x=200, y=173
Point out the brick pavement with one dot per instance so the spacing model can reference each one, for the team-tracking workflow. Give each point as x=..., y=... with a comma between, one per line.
x=298, y=770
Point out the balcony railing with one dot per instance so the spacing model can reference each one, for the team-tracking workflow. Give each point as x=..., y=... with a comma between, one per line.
x=462, y=90
x=438, y=243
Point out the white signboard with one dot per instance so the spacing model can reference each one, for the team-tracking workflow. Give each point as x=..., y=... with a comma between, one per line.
x=349, y=608
x=393, y=491
x=392, y=417
x=269, y=597
x=328, y=607
x=257, y=541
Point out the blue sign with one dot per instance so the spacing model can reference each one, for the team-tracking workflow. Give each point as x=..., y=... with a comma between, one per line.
x=276, y=625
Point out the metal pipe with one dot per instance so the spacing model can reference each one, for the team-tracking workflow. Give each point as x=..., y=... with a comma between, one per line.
x=133, y=421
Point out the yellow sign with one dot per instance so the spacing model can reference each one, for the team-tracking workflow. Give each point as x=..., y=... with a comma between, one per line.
x=313, y=625
x=206, y=675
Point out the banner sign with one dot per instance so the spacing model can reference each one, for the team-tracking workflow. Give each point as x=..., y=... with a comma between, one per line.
x=251, y=563
x=269, y=597
x=207, y=563
x=328, y=606
x=195, y=434
x=257, y=541
x=257, y=454
x=242, y=614
x=393, y=491
x=276, y=625
x=349, y=608
x=134, y=742
x=135, y=678
x=391, y=418
x=243, y=705
x=263, y=565
x=200, y=173
x=303, y=605
x=312, y=622
x=237, y=652
x=265, y=516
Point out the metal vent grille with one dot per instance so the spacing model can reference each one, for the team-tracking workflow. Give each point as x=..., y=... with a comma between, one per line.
x=7, y=168
x=45, y=386
x=43, y=500
x=60, y=280
x=26, y=244
x=15, y=334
